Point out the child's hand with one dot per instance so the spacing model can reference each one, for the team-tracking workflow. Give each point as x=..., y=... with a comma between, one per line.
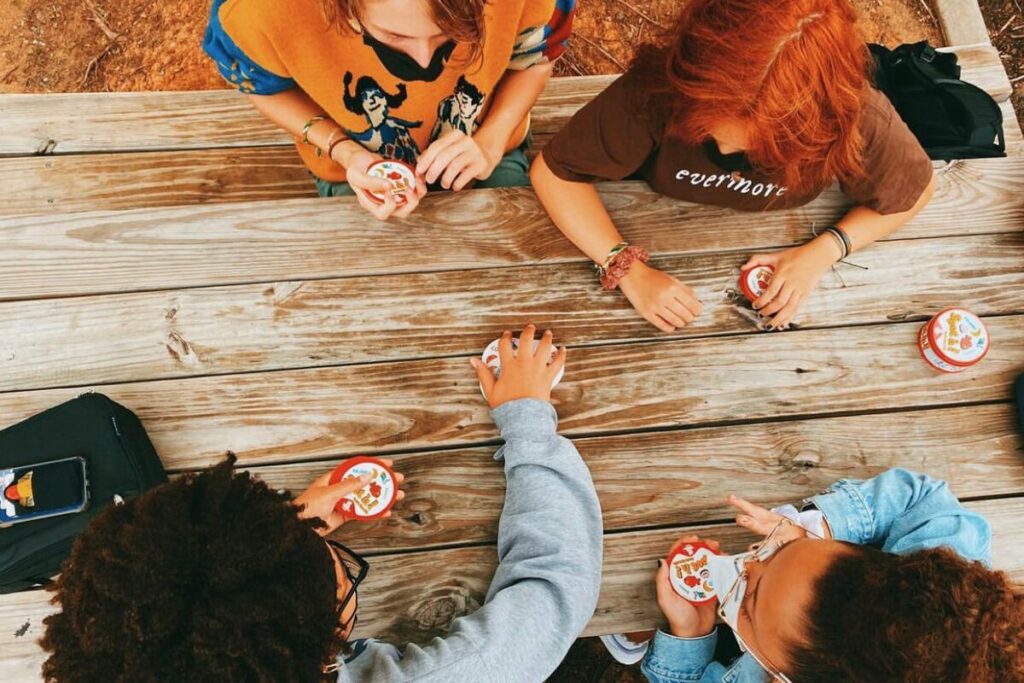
x=660, y=298
x=762, y=521
x=797, y=272
x=685, y=619
x=321, y=497
x=456, y=160
x=356, y=163
x=525, y=374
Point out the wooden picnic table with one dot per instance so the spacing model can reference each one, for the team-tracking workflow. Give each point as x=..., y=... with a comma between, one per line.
x=142, y=259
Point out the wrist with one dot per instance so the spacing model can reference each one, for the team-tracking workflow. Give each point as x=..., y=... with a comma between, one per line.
x=690, y=630
x=825, y=249
x=492, y=145
x=344, y=151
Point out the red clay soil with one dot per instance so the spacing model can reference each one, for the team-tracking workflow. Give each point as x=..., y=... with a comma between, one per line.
x=117, y=45
x=1005, y=20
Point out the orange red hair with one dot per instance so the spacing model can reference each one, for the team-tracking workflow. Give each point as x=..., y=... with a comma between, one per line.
x=792, y=71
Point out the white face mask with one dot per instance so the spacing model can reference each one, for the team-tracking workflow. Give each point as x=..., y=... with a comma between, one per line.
x=725, y=569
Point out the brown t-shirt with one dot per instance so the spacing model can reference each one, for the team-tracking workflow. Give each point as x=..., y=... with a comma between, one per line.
x=614, y=137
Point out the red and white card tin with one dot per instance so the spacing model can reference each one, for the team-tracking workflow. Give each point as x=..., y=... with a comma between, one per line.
x=399, y=174
x=689, y=571
x=953, y=340
x=754, y=281
x=373, y=500
x=492, y=360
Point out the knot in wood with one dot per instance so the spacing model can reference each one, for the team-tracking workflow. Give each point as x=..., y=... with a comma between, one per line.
x=438, y=613
x=806, y=459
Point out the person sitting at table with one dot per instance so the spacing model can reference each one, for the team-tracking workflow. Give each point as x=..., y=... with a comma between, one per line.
x=879, y=580
x=214, y=577
x=445, y=86
x=749, y=105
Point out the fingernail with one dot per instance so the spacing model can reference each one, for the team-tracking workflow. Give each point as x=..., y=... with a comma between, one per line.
x=660, y=562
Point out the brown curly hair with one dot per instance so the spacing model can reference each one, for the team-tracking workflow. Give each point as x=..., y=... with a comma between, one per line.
x=923, y=617
x=211, y=577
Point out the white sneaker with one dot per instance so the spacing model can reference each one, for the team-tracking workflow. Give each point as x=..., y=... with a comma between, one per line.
x=624, y=650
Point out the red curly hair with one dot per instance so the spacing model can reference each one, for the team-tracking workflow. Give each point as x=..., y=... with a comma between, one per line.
x=792, y=71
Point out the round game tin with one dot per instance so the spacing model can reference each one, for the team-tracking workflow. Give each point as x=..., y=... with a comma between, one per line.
x=953, y=340
x=399, y=174
x=492, y=360
x=689, y=571
x=754, y=281
x=374, y=499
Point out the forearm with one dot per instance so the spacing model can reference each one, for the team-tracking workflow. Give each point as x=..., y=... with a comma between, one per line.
x=512, y=100
x=865, y=226
x=577, y=210
x=292, y=109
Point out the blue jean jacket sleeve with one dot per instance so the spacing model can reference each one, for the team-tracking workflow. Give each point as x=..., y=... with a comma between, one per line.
x=901, y=511
x=682, y=660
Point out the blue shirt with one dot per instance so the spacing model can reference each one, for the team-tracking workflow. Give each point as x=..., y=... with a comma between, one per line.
x=898, y=512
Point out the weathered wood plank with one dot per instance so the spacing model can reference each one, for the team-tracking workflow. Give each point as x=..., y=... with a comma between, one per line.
x=109, y=122
x=65, y=183
x=961, y=21
x=412, y=597
x=326, y=412
x=146, y=179
x=132, y=122
x=225, y=330
x=666, y=479
x=100, y=252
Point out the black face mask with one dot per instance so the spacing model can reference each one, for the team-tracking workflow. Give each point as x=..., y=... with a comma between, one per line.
x=402, y=66
x=737, y=161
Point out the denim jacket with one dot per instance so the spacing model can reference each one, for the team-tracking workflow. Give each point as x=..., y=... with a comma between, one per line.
x=898, y=511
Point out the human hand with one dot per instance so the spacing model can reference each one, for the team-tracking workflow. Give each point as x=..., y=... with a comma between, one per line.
x=457, y=159
x=685, y=619
x=660, y=298
x=762, y=521
x=356, y=161
x=797, y=272
x=524, y=374
x=321, y=497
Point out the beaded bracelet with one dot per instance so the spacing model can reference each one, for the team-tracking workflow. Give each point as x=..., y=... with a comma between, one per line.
x=618, y=266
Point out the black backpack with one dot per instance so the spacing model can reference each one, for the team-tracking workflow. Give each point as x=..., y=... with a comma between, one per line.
x=120, y=460
x=951, y=119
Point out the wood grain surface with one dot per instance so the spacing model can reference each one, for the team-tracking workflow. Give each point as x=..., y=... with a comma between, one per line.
x=665, y=479
x=62, y=183
x=276, y=417
x=138, y=121
x=171, y=248
x=110, y=122
x=413, y=597
x=282, y=325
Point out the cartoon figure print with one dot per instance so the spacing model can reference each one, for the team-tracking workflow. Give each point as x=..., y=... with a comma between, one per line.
x=459, y=111
x=387, y=135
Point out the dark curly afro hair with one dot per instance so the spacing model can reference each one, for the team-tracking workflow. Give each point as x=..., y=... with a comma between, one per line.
x=923, y=617
x=211, y=577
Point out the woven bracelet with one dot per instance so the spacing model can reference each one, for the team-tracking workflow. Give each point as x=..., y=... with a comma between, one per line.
x=620, y=265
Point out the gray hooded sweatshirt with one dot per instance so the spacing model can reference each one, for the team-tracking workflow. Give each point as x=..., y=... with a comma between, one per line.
x=548, y=578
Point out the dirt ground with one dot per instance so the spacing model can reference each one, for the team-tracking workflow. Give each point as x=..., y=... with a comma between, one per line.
x=1005, y=20
x=117, y=45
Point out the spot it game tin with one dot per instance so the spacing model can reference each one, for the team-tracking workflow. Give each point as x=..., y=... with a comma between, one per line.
x=374, y=499
x=754, y=281
x=492, y=360
x=953, y=340
x=401, y=175
x=689, y=573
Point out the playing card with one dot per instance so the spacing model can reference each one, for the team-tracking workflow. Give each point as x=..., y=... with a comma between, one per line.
x=689, y=572
x=400, y=175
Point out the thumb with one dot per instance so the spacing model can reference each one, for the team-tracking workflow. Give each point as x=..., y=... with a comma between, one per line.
x=347, y=486
x=759, y=260
x=484, y=375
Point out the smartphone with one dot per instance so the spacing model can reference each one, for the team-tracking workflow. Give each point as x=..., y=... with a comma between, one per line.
x=43, y=490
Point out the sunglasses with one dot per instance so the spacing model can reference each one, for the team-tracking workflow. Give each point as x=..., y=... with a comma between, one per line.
x=356, y=569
